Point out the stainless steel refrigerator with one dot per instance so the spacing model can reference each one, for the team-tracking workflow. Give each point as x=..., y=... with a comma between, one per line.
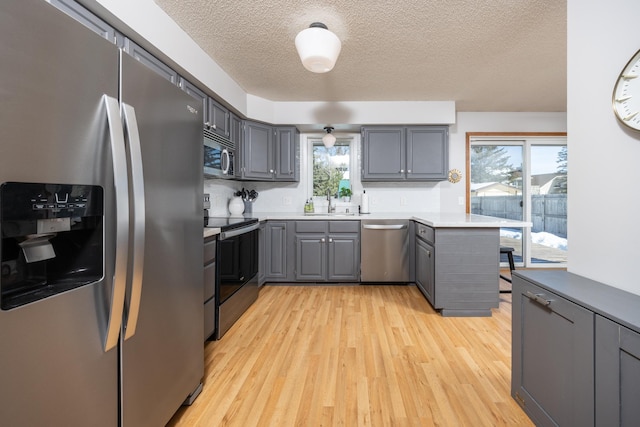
x=101, y=223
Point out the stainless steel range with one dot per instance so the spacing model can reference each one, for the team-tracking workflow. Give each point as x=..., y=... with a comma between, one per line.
x=236, y=269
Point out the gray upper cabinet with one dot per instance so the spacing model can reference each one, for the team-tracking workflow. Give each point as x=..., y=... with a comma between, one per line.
x=235, y=129
x=257, y=152
x=427, y=152
x=150, y=61
x=88, y=19
x=287, y=153
x=270, y=153
x=405, y=153
x=383, y=154
x=218, y=118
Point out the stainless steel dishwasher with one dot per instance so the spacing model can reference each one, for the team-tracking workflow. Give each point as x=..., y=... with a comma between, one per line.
x=384, y=250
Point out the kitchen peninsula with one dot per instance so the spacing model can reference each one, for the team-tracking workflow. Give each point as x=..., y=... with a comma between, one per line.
x=454, y=257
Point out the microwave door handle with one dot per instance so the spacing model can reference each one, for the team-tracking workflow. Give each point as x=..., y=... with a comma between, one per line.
x=119, y=283
x=225, y=162
x=138, y=208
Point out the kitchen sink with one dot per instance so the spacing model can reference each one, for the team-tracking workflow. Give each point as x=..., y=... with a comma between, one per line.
x=330, y=214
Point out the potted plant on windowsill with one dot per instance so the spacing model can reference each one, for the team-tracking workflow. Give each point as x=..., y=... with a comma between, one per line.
x=345, y=193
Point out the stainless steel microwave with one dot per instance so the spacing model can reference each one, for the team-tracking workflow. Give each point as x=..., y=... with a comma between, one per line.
x=219, y=156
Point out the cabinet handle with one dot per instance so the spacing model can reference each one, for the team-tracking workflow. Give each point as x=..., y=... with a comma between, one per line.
x=401, y=170
x=538, y=298
x=429, y=254
x=330, y=240
x=322, y=240
x=408, y=170
x=270, y=170
x=213, y=127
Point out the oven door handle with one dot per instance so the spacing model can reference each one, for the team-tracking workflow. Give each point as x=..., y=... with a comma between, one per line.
x=233, y=233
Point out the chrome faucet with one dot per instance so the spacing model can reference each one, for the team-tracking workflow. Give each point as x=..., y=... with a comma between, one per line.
x=329, y=207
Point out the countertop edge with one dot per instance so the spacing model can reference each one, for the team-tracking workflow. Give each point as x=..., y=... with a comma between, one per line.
x=436, y=220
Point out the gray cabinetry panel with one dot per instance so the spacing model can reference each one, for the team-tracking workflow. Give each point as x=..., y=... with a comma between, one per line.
x=287, y=154
x=276, y=254
x=262, y=253
x=86, y=18
x=617, y=359
x=425, y=269
x=270, y=153
x=405, y=153
x=327, y=251
x=257, y=152
x=552, y=357
x=427, y=153
x=383, y=154
x=311, y=257
x=235, y=130
x=344, y=257
x=150, y=61
x=466, y=270
x=218, y=118
x=209, y=259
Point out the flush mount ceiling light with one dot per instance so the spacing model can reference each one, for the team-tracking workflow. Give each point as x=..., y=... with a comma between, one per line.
x=318, y=48
x=328, y=140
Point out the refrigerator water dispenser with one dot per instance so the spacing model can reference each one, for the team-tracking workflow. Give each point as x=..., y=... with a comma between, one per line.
x=52, y=240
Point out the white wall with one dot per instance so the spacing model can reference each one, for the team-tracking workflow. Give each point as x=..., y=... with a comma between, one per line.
x=604, y=202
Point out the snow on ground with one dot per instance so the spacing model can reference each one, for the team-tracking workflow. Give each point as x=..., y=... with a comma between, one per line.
x=543, y=238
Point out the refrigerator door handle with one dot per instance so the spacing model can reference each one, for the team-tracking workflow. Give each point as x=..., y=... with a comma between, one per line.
x=138, y=207
x=119, y=283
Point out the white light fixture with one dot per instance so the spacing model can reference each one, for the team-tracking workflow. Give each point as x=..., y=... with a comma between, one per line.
x=318, y=48
x=328, y=140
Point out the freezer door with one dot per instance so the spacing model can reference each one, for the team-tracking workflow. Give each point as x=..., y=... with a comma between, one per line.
x=163, y=362
x=53, y=75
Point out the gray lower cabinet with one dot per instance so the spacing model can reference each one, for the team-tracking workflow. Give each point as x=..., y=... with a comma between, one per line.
x=405, y=153
x=277, y=252
x=209, y=286
x=270, y=153
x=456, y=269
x=617, y=374
x=575, y=350
x=262, y=248
x=327, y=251
x=552, y=357
x=425, y=268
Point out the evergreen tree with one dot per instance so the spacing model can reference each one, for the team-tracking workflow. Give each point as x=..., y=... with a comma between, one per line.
x=490, y=163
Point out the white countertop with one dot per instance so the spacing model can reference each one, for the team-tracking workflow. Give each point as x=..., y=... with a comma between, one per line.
x=433, y=219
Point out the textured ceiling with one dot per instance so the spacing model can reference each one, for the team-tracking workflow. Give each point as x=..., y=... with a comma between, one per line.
x=486, y=55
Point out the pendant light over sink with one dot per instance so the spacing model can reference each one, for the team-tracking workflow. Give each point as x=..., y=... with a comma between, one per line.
x=318, y=48
x=328, y=140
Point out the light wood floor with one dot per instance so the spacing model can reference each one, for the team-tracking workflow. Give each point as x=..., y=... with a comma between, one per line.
x=357, y=356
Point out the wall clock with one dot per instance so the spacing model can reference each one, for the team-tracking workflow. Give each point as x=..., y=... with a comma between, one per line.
x=626, y=94
x=455, y=175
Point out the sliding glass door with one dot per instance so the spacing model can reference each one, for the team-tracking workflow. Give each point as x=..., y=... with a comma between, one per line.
x=523, y=179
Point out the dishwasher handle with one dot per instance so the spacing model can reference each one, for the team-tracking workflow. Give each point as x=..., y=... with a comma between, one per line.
x=384, y=226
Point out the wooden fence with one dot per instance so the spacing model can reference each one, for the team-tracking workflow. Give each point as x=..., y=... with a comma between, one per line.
x=548, y=211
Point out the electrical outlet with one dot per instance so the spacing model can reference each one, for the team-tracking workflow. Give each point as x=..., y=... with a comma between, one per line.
x=461, y=200
x=373, y=200
x=403, y=201
x=286, y=201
